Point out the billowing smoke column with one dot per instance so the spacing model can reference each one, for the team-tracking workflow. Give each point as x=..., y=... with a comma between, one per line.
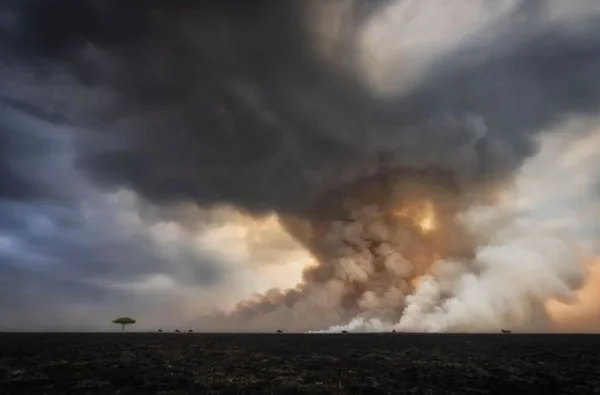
x=371, y=239
x=274, y=107
x=406, y=251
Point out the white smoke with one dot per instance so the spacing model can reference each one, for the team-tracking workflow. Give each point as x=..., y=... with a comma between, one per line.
x=516, y=269
x=511, y=276
x=358, y=325
x=403, y=40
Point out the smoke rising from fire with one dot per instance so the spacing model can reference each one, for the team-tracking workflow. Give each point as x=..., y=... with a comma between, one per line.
x=381, y=135
x=423, y=267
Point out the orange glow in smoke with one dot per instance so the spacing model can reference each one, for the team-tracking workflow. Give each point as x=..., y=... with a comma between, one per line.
x=416, y=281
x=582, y=315
x=422, y=214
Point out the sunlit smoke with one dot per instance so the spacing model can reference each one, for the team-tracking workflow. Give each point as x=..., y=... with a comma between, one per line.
x=422, y=214
x=581, y=313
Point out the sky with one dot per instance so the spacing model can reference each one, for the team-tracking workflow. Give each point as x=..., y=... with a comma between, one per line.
x=147, y=151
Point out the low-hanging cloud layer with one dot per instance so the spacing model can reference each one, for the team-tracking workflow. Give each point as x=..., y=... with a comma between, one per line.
x=166, y=160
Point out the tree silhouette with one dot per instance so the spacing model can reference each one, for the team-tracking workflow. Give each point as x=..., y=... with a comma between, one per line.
x=123, y=321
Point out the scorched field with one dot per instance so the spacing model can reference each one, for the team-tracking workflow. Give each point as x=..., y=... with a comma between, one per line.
x=169, y=363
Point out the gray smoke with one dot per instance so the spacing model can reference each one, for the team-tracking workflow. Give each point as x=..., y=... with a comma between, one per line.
x=216, y=102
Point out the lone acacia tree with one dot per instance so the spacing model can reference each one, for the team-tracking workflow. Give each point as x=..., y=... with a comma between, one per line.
x=123, y=321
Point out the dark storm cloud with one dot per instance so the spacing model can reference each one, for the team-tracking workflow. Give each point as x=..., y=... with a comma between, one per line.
x=75, y=246
x=198, y=115
x=61, y=243
x=227, y=103
x=35, y=282
x=33, y=299
x=23, y=152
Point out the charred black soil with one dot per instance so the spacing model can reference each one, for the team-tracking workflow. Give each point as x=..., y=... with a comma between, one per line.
x=166, y=363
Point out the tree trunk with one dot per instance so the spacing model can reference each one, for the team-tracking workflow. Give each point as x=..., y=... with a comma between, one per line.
x=122, y=327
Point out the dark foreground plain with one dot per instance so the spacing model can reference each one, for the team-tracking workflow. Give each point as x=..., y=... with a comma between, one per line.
x=169, y=363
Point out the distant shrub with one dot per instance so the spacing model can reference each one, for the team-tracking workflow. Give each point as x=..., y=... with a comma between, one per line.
x=279, y=331
x=190, y=331
x=177, y=331
x=160, y=331
x=344, y=331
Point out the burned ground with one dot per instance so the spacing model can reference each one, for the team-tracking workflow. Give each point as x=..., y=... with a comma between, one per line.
x=269, y=363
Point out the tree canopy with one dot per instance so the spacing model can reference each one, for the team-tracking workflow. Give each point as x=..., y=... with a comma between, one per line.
x=123, y=321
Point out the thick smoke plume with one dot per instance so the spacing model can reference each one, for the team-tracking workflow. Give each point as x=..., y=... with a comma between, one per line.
x=377, y=145
x=411, y=258
x=370, y=240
